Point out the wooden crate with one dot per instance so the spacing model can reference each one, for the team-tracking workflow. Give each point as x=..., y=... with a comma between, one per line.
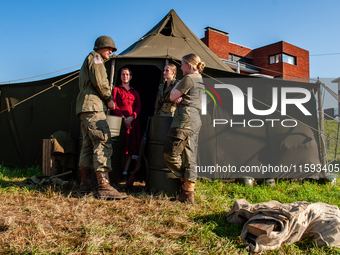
x=49, y=162
x=262, y=227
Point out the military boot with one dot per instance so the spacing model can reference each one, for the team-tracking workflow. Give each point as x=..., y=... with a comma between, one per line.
x=187, y=194
x=105, y=190
x=85, y=181
x=180, y=190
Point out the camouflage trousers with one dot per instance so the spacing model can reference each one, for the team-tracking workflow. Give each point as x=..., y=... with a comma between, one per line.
x=96, y=151
x=180, y=153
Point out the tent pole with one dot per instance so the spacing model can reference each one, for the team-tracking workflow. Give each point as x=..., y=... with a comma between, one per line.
x=167, y=62
x=321, y=124
x=337, y=137
x=112, y=73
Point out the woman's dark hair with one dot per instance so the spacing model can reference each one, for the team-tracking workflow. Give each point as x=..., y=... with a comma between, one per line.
x=125, y=68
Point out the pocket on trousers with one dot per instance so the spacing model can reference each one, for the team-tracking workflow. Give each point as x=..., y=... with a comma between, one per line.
x=176, y=141
x=99, y=130
x=179, y=133
x=174, y=146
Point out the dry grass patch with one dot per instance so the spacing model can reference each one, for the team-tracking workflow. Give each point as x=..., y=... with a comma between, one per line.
x=49, y=221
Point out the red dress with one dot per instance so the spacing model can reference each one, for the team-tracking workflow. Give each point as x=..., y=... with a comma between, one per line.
x=127, y=104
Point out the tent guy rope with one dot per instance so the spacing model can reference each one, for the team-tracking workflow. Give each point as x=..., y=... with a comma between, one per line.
x=40, y=92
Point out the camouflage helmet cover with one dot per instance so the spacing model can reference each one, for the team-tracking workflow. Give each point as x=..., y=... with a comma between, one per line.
x=104, y=42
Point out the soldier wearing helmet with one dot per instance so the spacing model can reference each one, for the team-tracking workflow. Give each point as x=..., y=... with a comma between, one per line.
x=94, y=98
x=104, y=42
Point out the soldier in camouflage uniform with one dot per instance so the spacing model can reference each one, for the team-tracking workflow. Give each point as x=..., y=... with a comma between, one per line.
x=93, y=100
x=180, y=150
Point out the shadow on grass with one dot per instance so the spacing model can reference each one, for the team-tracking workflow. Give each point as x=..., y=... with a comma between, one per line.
x=222, y=228
x=66, y=185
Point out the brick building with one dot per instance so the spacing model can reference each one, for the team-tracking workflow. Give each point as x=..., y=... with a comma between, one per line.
x=278, y=60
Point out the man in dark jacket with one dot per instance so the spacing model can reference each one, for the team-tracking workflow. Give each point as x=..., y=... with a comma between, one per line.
x=94, y=98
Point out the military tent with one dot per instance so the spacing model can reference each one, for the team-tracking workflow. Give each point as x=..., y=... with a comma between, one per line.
x=24, y=126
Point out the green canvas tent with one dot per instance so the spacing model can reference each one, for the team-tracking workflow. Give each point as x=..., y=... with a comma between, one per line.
x=24, y=127
x=167, y=42
x=172, y=39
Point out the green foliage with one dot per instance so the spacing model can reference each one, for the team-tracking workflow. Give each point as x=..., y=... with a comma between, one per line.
x=10, y=175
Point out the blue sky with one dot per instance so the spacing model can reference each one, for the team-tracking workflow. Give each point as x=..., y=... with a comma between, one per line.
x=39, y=37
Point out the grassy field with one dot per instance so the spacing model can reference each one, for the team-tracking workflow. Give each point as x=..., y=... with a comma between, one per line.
x=52, y=220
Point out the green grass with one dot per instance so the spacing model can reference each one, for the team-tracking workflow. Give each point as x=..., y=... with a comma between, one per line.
x=50, y=220
x=7, y=174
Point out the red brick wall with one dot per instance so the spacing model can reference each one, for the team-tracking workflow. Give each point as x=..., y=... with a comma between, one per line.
x=240, y=50
x=286, y=71
x=219, y=43
x=261, y=59
x=301, y=69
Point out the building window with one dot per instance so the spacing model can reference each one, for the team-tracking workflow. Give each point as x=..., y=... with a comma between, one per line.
x=235, y=58
x=282, y=57
x=275, y=59
x=289, y=59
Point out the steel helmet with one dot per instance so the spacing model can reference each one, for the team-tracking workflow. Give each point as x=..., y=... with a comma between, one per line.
x=104, y=42
x=245, y=180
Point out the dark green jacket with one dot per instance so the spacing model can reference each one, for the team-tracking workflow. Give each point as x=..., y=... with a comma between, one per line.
x=163, y=97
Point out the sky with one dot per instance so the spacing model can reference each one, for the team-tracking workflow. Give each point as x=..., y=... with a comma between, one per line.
x=41, y=37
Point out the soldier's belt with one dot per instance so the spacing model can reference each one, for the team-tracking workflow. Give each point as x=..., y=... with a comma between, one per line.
x=168, y=107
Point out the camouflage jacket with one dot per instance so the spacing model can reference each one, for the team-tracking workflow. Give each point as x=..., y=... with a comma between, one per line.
x=94, y=88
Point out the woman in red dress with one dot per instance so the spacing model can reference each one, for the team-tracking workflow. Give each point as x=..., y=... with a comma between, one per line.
x=128, y=105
